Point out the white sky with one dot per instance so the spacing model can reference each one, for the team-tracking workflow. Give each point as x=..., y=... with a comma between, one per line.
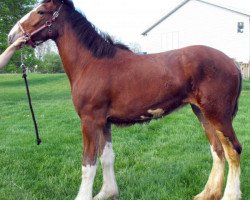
x=127, y=19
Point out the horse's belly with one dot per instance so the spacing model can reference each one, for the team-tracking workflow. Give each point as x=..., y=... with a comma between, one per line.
x=142, y=112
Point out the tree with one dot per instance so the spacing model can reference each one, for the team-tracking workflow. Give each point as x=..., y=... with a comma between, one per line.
x=51, y=64
x=135, y=47
x=45, y=48
x=10, y=12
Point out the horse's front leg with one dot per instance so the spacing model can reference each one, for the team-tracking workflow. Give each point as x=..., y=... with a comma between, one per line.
x=91, y=128
x=107, y=157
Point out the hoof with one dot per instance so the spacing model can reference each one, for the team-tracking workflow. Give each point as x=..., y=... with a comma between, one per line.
x=238, y=197
x=102, y=196
x=116, y=197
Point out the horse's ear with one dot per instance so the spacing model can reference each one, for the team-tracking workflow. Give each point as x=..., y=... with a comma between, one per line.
x=54, y=1
x=58, y=2
x=49, y=1
x=67, y=1
x=61, y=1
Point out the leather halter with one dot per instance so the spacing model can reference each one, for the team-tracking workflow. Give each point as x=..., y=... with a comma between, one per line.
x=48, y=24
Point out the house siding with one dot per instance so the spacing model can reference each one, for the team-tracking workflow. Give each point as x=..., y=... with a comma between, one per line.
x=197, y=23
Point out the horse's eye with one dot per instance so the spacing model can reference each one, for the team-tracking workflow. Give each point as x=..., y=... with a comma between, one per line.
x=40, y=12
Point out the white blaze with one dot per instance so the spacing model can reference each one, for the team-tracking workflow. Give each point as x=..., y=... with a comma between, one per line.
x=15, y=31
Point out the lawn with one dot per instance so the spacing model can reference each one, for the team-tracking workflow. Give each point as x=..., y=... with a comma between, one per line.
x=164, y=159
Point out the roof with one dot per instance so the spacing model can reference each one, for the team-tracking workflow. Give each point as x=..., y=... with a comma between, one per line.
x=184, y=3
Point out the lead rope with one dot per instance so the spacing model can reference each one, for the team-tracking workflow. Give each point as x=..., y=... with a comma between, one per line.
x=24, y=76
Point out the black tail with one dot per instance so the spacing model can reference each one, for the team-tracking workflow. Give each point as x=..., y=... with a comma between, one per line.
x=238, y=95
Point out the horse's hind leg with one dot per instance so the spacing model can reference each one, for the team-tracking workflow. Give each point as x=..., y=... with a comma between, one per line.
x=221, y=120
x=232, y=149
x=213, y=187
x=107, y=157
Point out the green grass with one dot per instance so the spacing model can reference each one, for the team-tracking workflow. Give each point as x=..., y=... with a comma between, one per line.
x=165, y=159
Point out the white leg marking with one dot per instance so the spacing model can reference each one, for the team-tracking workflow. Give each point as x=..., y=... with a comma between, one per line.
x=88, y=176
x=109, y=188
x=232, y=190
x=213, y=188
x=217, y=173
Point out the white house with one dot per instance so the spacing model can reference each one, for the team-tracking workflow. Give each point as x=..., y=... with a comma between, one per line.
x=199, y=22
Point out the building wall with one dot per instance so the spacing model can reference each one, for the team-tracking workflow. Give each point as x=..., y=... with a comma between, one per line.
x=198, y=23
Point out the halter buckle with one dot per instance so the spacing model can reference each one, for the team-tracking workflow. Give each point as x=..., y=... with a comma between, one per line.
x=48, y=23
x=26, y=37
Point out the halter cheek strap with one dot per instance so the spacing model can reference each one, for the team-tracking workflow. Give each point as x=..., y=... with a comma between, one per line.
x=27, y=36
x=48, y=24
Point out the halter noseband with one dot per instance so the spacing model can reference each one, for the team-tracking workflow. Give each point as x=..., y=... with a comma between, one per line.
x=48, y=24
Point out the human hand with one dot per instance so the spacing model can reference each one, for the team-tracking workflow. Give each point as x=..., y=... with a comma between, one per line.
x=19, y=43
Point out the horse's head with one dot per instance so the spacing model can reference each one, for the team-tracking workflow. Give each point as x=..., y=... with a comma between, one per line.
x=40, y=24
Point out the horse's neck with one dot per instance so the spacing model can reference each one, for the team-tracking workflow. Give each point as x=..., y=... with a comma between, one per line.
x=74, y=56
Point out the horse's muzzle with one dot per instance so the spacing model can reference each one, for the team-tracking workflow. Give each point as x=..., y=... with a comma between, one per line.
x=14, y=34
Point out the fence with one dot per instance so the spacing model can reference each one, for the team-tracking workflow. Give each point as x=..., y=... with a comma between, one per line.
x=245, y=71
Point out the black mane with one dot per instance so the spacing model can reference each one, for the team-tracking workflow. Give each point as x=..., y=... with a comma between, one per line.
x=100, y=44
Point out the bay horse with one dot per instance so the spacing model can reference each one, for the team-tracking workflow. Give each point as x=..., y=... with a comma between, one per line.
x=112, y=85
